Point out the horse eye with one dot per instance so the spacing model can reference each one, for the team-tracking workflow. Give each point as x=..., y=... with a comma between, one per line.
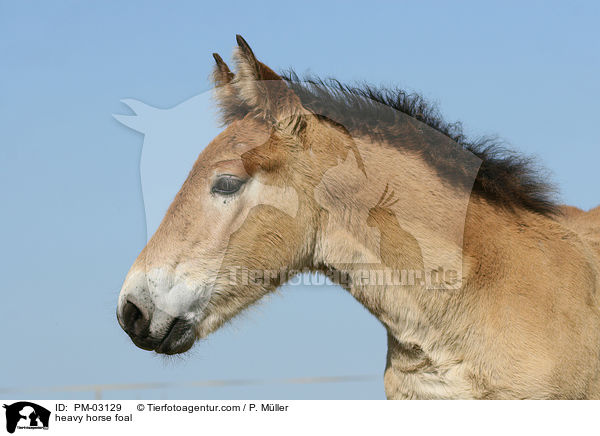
x=227, y=185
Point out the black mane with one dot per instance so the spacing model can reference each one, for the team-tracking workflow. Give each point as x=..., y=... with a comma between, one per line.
x=505, y=178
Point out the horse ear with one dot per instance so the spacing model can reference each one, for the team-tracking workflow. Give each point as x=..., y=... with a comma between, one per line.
x=231, y=106
x=263, y=90
x=250, y=68
x=222, y=75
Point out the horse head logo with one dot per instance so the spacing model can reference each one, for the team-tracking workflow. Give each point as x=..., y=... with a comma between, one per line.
x=27, y=415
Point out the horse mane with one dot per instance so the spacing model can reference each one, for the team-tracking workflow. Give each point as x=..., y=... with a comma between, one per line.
x=506, y=178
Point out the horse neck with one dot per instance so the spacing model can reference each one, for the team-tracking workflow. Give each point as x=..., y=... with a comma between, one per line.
x=416, y=228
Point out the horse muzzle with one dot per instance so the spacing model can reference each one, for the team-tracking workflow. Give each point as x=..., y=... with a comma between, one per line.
x=158, y=314
x=177, y=335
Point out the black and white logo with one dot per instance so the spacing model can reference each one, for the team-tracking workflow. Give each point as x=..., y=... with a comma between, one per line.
x=26, y=415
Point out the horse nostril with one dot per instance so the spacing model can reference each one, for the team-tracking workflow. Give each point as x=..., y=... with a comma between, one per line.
x=134, y=321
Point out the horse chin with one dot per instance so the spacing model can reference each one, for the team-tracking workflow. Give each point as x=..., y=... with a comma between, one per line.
x=179, y=338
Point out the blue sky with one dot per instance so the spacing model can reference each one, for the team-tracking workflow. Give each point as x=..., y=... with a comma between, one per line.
x=73, y=216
